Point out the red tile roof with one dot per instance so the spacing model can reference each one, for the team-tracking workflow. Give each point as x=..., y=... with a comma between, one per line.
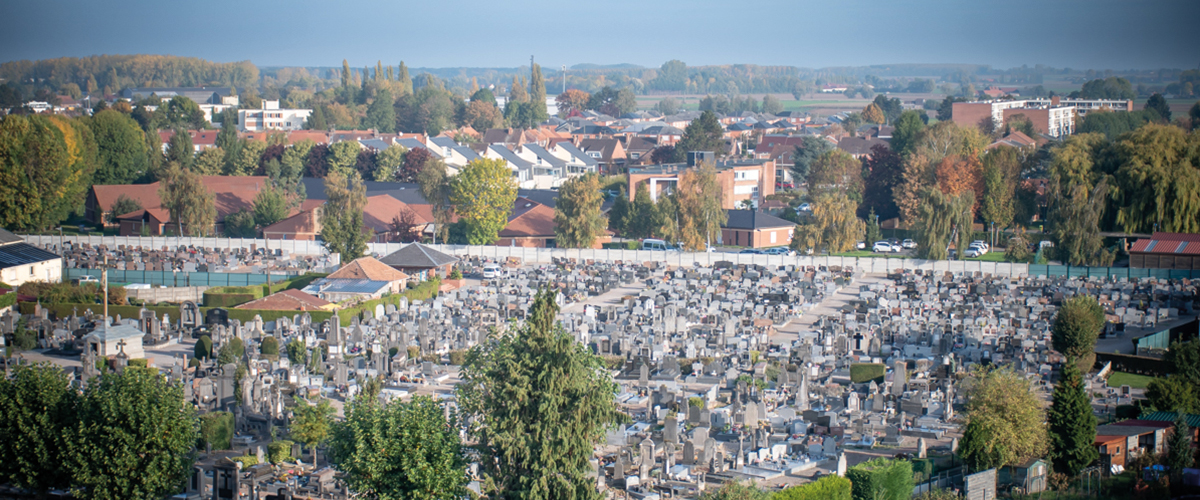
x=287, y=300
x=530, y=219
x=1168, y=243
x=368, y=268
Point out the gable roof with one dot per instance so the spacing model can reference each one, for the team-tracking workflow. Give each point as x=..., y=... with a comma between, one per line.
x=7, y=237
x=511, y=157
x=381, y=209
x=576, y=153
x=529, y=218
x=751, y=219
x=859, y=146
x=19, y=254
x=418, y=256
x=545, y=156
x=287, y=300
x=368, y=268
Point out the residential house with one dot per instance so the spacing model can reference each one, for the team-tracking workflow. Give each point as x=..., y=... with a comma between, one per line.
x=364, y=278
x=638, y=149
x=21, y=262
x=522, y=168
x=752, y=180
x=530, y=224
x=754, y=229
x=420, y=261
x=230, y=193
x=1123, y=441
x=609, y=153
x=860, y=147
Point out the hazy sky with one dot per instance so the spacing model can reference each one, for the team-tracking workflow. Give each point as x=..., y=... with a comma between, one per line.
x=1101, y=34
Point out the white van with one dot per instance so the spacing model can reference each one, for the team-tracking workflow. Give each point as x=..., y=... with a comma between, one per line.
x=492, y=271
x=653, y=244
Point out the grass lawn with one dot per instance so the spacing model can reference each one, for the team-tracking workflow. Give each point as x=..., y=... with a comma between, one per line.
x=870, y=254
x=990, y=257
x=1118, y=379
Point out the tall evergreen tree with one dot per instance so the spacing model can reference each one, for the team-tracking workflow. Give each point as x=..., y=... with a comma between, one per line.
x=1179, y=448
x=406, y=84
x=537, y=402
x=537, y=96
x=641, y=220
x=619, y=213
x=703, y=134
x=345, y=74
x=316, y=121
x=1072, y=425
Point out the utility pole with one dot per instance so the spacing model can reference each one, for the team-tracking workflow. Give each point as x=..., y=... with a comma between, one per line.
x=564, y=75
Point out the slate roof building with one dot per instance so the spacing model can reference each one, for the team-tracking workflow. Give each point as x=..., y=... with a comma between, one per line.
x=420, y=261
x=363, y=278
x=750, y=228
x=21, y=262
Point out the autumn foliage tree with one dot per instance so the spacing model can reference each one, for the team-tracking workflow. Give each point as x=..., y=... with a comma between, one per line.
x=872, y=114
x=483, y=194
x=578, y=221
x=572, y=100
x=700, y=207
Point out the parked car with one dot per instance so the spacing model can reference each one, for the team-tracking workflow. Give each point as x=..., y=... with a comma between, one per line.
x=908, y=244
x=980, y=243
x=882, y=246
x=751, y=251
x=655, y=244
x=784, y=185
x=974, y=252
x=862, y=245
x=804, y=207
x=492, y=271
x=778, y=251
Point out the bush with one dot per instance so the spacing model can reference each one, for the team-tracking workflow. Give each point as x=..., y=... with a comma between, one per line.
x=825, y=488
x=269, y=346
x=216, y=428
x=279, y=451
x=203, y=349
x=881, y=479
x=230, y=296
x=231, y=352
x=140, y=362
x=456, y=274
x=457, y=358
x=414, y=352
x=247, y=461
x=861, y=373
x=193, y=363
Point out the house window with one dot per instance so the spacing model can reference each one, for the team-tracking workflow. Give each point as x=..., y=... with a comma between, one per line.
x=31, y=270
x=773, y=236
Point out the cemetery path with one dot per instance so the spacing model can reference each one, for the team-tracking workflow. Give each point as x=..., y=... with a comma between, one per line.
x=611, y=298
x=830, y=305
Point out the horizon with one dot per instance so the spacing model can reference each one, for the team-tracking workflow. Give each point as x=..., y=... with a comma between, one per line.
x=1074, y=34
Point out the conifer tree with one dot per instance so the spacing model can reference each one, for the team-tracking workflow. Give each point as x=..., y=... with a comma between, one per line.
x=619, y=212
x=1179, y=448
x=405, y=80
x=345, y=74
x=537, y=96
x=1072, y=425
x=642, y=217
x=537, y=402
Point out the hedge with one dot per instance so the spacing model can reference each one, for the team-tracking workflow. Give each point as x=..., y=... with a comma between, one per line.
x=861, y=373
x=279, y=451
x=230, y=296
x=247, y=461
x=424, y=291
x=826, y=488
x=216, y=428
x=881, y=479
x=244, y=315
x=8, y=299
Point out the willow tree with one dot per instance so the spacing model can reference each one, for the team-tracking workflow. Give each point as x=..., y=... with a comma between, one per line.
x=1075, y=224
x=938, y=216
x=537, y=402
x=434, y=185
x=700, y=200
x=1158, y=183
x=833, y=226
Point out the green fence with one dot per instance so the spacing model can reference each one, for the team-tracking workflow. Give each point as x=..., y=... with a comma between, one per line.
x=1111, y=272
x=168, y=278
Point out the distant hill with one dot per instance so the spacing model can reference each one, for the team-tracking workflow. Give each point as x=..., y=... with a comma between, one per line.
x=607, y=66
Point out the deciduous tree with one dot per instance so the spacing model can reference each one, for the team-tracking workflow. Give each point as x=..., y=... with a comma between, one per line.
x=311, y=423
x=578, y=221
x=700, y=201
x=908, y=127
x=120, y=146
x=342, y=228
x=134, y=439
x=39, y=408
x=872, y=114
x=618, y=215
x=806, y=154
x=833, y=227
x=270, y=206
x=938, y=215
x=883, y=171
x=537, y=402
x=642, y=221
x=483, y=194
x=399, y=450
x=1076, y=327
x=188, y=200
x=836, y=170
x=180, y=149
x=381, y=116
x=1006, y=424
x=435, y=188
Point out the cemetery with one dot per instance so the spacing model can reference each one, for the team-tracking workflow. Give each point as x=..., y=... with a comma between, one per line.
x=729, y=372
